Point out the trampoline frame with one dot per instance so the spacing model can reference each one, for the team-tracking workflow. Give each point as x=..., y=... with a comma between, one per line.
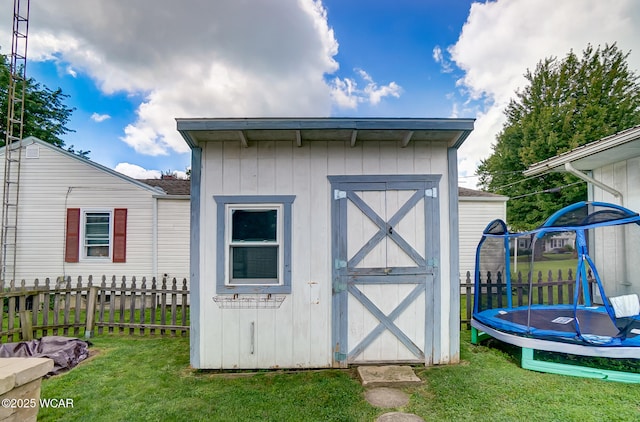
x=530, y=338
x=480, y=332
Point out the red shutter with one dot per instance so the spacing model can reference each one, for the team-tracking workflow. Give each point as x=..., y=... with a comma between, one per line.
x=120, y=235
x=72, y=242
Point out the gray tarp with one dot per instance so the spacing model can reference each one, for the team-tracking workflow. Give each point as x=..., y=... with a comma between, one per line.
x=66, y=352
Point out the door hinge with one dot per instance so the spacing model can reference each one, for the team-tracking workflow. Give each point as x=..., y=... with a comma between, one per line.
x=339, y=194
x=339, y=357
x=431, y=192
x=340, y=264
x=339, y=287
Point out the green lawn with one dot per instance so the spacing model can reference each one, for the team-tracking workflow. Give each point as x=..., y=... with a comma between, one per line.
x=552, y=262
x=143, y=378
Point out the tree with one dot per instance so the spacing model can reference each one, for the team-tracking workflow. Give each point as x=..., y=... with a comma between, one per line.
x=566, y=103
x=45, y=116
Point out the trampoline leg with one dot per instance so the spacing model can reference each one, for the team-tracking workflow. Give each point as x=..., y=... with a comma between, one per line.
x=528, y=362
x=478, y=336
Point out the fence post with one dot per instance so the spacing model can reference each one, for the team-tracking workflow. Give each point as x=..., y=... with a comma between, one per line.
x=26, y=327
x=91, y=311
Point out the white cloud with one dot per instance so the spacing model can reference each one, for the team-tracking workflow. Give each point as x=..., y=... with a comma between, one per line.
x=437, y=54
x=96, y=117
x=343, y=92
x=137, y=172
x=180, y=174
x=346, y=94
x=502, y=39
x=195, y=59
x=438, y=57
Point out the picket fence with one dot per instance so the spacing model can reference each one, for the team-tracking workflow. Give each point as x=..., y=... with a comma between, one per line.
x=75, y=308
x=555, y=289
x=131, y=306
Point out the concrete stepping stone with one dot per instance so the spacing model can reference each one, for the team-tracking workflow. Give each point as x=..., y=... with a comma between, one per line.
x=399, y=417
x=387, y=376
x=386, y=397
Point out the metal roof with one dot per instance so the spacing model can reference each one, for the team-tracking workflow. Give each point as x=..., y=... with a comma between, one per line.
x=248, y=131
x=618, y=147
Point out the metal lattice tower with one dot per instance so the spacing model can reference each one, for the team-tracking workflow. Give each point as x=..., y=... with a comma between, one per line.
x=13, y=140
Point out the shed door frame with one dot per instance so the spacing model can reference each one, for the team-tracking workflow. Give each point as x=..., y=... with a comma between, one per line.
x=345, y=277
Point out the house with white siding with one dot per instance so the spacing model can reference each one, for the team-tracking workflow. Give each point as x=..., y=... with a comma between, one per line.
x=79, y=218
x=611, y=168
x=324, y=242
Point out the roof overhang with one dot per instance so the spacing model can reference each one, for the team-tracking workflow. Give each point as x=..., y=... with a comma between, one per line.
x=248, y=131
x=466, y=194
x=619, y=147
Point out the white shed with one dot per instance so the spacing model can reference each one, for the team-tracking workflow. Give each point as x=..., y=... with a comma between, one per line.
x=79, y=218
x=324, y=242
x=477, y=209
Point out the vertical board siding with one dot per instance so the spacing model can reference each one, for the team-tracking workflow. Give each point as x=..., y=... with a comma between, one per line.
x=298, y=334
x=475, y=214
x=632, y=249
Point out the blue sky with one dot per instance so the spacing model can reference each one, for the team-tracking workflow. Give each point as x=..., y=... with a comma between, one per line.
x=131, y=68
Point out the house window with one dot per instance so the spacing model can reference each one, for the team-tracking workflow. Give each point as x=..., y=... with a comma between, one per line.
x=254, y=244
x=96, y=234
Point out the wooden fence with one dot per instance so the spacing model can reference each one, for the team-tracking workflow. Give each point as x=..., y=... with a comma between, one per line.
x=65, y=307
x=77, y=308
x=555, y=289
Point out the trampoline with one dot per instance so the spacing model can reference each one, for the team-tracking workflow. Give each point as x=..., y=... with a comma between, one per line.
x=590, y=309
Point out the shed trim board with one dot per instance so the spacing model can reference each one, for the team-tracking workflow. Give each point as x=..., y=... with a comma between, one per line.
x=349, y=279
x=454, y=255
x=194, y=254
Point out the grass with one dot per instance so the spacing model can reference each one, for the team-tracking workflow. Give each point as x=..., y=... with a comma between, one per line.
x=552, y=262
x=145, y=378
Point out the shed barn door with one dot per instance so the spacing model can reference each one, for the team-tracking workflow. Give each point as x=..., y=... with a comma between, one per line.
x=385, y=246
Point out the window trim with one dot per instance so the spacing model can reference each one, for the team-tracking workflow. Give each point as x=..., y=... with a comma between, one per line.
x=82, y=240
x=227, y=202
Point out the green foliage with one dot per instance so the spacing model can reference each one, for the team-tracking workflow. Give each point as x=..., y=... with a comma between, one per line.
x=80, y=153
x=46, y=116
x=567, y=103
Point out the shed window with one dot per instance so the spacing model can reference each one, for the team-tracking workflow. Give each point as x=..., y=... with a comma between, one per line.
x=254, y=244
x=254, y=247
